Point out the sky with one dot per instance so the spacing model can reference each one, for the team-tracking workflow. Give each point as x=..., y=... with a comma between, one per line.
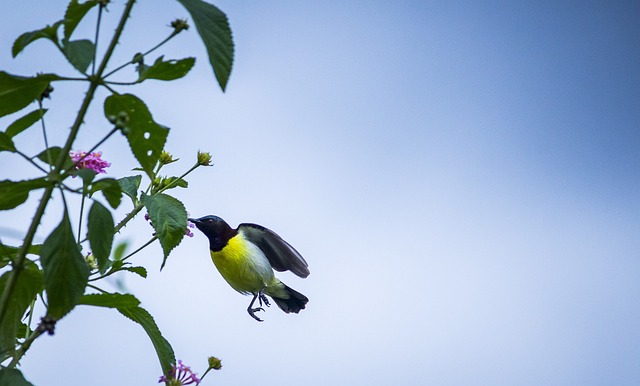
x=462, y=178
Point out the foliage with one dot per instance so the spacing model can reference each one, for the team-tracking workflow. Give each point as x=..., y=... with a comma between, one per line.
x=60, y=273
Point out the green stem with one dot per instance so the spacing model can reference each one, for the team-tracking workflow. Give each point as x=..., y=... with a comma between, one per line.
x=154, y=238
x=97, y=288
x=33, y=303
x=30, y=160
x=95, y=44
x=170, y=185
x=174, y=33
x=84, y=195
x=18, y=264
x=25, y=346
x=128, y=217
x=44, y=134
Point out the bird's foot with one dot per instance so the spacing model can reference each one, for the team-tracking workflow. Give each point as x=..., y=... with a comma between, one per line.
x=263, y=299
x=252, y=312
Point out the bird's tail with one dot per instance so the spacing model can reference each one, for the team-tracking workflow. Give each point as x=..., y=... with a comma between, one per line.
x=295, y=302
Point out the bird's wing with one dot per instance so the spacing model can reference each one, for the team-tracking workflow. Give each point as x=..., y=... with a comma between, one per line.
x=281, y=255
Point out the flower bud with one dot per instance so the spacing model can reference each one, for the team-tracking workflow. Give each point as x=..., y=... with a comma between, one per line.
x=179, y=25
x=215, y=363
x=166, y=158
x=204, y=159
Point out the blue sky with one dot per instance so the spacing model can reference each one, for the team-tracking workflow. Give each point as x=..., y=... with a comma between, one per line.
x=462, y=178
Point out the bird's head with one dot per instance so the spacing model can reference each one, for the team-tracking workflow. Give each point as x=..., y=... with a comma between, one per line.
x=216, y=229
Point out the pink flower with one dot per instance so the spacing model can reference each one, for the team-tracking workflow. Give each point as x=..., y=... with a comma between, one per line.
x=181, y=373
x=91, y=161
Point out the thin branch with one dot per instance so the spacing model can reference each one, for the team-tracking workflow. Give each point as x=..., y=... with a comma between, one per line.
x=18, y=264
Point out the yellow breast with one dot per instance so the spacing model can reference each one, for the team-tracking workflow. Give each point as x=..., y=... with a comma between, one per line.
x=243, y=266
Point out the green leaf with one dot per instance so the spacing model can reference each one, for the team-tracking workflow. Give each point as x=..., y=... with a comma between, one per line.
x=141, y=271
x=169, y=219
x=79, y=53
x=130, y=186
x=118, y=252
x=12, y=377
x=100, y=234
x=6, y=143
x=28, y=285
x=23, y=123
x=146, y=137
x=8, y=253
x=49, y=32
x=74, y=14
x=169, y=70
x=115, y=300
x=16, y=92
x=213, y=26
x=111, y=190
x=65, y=270
x=163, y=348
x=87, y=175
x=51, y=155
x=173, y=182
x=14, y=193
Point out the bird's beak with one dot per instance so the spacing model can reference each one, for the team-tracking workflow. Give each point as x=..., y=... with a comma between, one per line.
x=194, y=220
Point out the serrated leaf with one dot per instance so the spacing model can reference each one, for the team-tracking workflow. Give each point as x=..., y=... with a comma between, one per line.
x=130, y=186
x=163, y=348
x=141, y=271
x=51, y=155
x=14, y=193
x=6, y=144
x=146, y=137
x=74, y=14
x=23, y=123
x=28, y=285
x=49, y=32
x=166, y=70
x=16, y=92
x=213, y=27
x=169, y=219
x=65, y=270
x=12, y=377
x=115, y=300
x=111, y=190
x=100, y=234
x=79, y=53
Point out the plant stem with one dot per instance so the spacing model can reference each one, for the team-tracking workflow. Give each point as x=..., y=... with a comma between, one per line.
x=194, y=167
x=174, y=33
x=128, y=217
x=44, y=133
x=18, y=264
x=95, y=44
x=25, y=346
x=84, y=195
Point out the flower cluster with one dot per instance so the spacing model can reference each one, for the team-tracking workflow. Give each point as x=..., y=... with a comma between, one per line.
x=180, y=375
x=91, y=161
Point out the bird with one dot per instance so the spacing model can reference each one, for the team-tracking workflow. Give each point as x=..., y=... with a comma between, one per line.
x=246, y=258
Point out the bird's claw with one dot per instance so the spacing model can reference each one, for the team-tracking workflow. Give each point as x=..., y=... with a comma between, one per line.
x=252, y=312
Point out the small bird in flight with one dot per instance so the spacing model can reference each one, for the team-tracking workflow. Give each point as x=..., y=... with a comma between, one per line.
x=246, y=257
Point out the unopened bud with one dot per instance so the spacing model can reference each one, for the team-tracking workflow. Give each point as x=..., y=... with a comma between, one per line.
x=215, y=363
x=204, y=159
